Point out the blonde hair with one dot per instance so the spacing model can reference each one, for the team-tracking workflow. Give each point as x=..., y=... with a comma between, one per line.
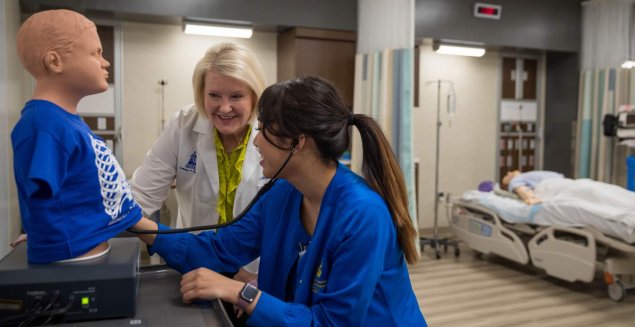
x=232, y=60
x=46, y=31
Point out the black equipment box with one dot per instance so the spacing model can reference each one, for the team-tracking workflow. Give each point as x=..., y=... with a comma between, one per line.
x=99, y=288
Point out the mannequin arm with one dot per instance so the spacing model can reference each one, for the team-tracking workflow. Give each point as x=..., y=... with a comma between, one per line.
x=526, y=194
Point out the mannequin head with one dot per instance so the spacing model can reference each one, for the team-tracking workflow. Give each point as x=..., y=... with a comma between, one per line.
x=62, y=50
x=47, y=32
x=508, y=178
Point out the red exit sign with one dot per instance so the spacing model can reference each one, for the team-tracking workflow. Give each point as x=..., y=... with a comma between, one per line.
x=487, y=10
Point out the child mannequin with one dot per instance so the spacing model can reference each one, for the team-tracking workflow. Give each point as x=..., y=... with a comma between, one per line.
x=73, y=194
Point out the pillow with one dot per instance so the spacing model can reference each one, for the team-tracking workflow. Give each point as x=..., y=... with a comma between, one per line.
x=486, y=186
x=500, y=192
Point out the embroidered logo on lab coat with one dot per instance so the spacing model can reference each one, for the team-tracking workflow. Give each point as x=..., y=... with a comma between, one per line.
x=319, y=282
x=191, y=164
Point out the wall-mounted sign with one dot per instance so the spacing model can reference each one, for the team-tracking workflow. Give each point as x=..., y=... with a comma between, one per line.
x=487, y=10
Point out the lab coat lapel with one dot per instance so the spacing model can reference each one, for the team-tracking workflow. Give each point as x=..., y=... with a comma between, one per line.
x=252, y=157
x=249, y=172
x=207, y=150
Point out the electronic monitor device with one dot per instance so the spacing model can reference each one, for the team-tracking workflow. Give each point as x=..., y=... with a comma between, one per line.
x=625, y=125
x=99, y=288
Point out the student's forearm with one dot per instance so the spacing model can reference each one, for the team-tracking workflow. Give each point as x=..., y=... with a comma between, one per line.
x=146, y=224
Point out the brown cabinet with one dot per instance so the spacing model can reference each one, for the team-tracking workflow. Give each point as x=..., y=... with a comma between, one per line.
x=101, y=119
x=530, y=67
x=107, y=37
x=519, y=78
x=327, y=53
x=517, y=136
x=103, y=125
x=517, y=144
x=509, y=78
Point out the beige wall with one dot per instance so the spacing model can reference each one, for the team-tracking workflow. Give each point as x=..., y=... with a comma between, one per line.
x=153, y=52
x=12, y=98
x=467, y=148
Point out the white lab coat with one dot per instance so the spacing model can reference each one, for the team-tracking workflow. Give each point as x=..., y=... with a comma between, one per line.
x=185, y=152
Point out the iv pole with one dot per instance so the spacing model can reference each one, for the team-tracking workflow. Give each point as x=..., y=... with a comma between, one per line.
x=435, y=241
x=163, y=83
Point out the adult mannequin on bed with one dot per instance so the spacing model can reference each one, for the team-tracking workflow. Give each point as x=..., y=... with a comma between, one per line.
x=523, y=184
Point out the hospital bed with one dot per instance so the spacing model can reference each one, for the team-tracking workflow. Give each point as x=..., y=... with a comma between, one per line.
x=544, y=236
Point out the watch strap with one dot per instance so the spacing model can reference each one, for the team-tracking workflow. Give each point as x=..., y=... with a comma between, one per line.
x=247, y=295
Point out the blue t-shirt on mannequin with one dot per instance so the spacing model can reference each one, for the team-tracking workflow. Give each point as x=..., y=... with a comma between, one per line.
x=72, y=192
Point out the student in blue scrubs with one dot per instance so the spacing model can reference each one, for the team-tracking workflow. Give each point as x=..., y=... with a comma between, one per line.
x=334, y=245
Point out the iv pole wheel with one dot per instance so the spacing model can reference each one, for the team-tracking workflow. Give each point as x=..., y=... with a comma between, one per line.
x=616, y=291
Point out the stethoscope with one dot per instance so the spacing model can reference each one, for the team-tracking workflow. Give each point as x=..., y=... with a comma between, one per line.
x=240, y=216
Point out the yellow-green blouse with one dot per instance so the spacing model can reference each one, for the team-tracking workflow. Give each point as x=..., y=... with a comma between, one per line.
x=230, y=168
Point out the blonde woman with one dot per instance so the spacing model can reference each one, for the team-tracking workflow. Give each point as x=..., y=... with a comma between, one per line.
x=206, y=148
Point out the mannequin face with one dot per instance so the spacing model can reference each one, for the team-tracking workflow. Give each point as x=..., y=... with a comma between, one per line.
x=84, y=69
x=508, y=177
x=228, y=104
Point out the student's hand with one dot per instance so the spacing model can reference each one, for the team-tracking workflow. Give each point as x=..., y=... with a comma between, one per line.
x=206, y=284
x=22, y=238
x=244, y=276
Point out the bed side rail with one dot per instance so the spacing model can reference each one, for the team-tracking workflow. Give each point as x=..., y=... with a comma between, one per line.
x=568, y=253
x=483, y=231
x=478, y=210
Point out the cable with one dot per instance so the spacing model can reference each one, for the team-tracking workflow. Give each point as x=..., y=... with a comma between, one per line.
x=31, y=316
x=240, y=216
x=38, y=312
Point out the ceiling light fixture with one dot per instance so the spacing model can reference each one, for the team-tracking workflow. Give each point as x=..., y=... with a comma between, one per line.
x=197, y=27
x=459, y=48
x=628, y=64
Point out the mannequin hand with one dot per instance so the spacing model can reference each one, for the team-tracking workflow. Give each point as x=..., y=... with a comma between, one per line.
x=206, y=284
x=531, y=201
x=20, y=239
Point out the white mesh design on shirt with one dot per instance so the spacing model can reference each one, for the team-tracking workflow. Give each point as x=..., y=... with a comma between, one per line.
x=112, y=180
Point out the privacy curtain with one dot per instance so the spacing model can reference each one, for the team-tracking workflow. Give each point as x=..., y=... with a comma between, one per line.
x=384, y=91
x=607, y=41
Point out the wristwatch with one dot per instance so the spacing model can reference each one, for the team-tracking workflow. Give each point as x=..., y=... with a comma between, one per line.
x=247, y=295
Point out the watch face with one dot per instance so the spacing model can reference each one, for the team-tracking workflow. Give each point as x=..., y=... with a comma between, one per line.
x=249, y=293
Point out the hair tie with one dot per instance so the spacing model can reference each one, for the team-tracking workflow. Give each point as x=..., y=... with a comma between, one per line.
x=351, y=118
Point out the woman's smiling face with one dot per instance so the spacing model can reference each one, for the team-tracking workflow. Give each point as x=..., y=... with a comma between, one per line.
x=228, y=103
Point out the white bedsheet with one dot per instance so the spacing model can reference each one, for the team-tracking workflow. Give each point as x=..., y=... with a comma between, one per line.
x=510, y=210
x=608, y=208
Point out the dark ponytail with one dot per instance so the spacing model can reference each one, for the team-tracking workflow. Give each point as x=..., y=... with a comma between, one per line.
x=383, y=174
